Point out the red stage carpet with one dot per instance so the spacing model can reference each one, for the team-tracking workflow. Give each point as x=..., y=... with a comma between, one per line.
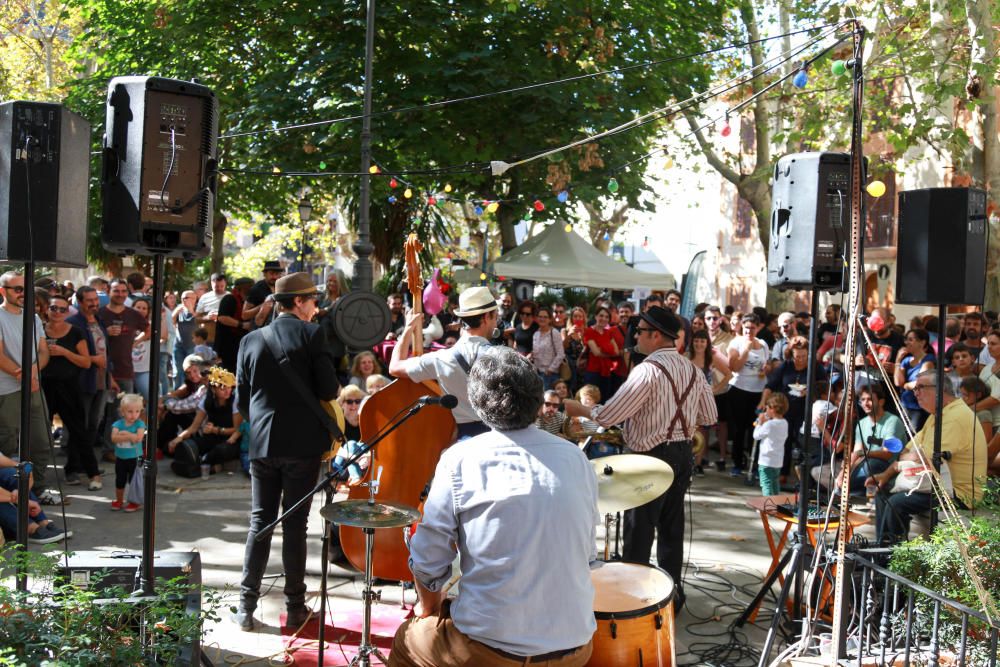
x=343, y=634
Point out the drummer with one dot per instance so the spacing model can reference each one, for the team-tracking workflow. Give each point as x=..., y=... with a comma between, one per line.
x=521, y=507
x=663, y=401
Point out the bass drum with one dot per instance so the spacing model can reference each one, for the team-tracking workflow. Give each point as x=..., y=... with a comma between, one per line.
x=634, y=608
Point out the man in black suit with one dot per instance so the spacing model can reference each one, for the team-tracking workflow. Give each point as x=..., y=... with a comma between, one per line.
x=287, y=439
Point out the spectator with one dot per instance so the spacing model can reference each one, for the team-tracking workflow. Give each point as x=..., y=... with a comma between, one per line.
x=259, y=305
x=375, y=383
x=748, y=357
x=573, y=344
x=961, y=435
x=559, y=315
x=913, y=358
x=698, y=324
x=141, y=352
x=201, y=347
x=561, y=387
x=786, y=331
x=229, y=325
x=990, y=374
x=208, y=303
x=40, y=447
x=350, y=399
x=716, y=370
x=69, y=356
x=100, y=285
x=972, y=390
x=95, y=382
x=136, y=283
x=177, y=409
x=720, y=342
x=547, y=348
x=398, y=321
x=830, y=325
x=870, y=456
x=550, y=419
x=185, y=322
x=364, y=366
x=771, y=430
x=963, y=365
x=672, y=302
x=604, y=348
x=524, y=331
x=127, y=435
x=973, y=330
x=41, y=529
x=167, y=348
x=215, y=429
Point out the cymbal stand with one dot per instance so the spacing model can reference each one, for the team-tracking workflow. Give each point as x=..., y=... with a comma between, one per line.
x=609, y=519
x=369, y=594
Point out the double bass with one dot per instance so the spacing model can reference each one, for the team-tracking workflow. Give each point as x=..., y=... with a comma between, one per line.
x=407, y=456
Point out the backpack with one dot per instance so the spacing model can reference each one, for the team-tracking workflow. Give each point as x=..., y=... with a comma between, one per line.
x=187, y=459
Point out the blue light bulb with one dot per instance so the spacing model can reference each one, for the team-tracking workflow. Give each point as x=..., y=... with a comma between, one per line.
x=801, y=79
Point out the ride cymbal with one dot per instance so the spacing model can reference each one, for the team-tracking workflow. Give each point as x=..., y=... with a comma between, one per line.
x=362, y=514
x=626, y=481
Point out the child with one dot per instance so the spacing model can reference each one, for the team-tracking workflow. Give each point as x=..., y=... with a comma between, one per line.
x=201, y=347
x=375, y=382
x=772, y=431
x=972, y=390
x=127, y=434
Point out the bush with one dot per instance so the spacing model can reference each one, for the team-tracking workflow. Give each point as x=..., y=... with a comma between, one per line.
x=58, y=624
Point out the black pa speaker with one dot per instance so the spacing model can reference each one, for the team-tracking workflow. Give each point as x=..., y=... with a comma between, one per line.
x=810, y=221
x=941, y=248
x=104, y=570
x=44, y=174
x=159, y=167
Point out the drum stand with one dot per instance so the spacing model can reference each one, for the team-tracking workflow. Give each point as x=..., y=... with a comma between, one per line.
x=370, y=596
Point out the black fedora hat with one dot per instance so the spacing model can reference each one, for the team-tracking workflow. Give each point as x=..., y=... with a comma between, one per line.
x=662, y=320
x=273, y=265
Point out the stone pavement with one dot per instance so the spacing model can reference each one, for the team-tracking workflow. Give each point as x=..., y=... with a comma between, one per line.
x=727, y=557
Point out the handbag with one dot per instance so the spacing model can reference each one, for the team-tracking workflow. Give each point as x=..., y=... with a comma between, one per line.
x=136, y=491
x=915, y=477
x=565, y=372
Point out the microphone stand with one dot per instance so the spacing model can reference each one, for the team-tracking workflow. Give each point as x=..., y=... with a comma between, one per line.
x=337, y=469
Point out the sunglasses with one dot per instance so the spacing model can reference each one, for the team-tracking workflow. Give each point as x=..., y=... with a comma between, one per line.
x=352, y=401
x=552, y=405
x=58, y=309
x=17, y=288
x=641, y=330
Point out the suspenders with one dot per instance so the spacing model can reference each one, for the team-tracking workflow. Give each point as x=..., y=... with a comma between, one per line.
x=678, y=399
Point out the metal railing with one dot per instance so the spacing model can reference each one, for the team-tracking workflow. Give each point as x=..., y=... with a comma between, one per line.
x=896, y=621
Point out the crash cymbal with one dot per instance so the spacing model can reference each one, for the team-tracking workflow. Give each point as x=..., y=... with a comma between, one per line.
x=362, y=514
x=629, y=480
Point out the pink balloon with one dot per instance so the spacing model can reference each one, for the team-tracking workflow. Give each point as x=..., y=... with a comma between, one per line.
x=434, y=298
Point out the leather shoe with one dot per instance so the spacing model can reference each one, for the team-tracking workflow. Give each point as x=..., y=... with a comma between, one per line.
x=244, y=619
x=297, y=616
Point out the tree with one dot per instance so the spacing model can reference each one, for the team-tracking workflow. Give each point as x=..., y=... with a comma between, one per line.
x=276, y=63
x=34, y=39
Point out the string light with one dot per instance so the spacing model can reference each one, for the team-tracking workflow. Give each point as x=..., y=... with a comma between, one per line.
x=492, y=207
x=726, y=128
x=607, y=236
x=393, y=183
x=408, y=193
x=613, y=185
x=373, y=169
x=563, y=196
x=538, y=205
x=568, y=228
x=669, y=163
x=876, y=189
x=431, y=200
x=801, y=78
x=447, y=187
x=478, y=210
x=838, y=68
x=322, y=166
x=392, y=199
x=276, y=170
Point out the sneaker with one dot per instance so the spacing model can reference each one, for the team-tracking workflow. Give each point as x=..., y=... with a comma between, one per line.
x=116, y=505
x=72, y=479
x=46, y=498
x=95, y=485
x=735, y=472
x=46, y=535
x=720, y=465
x=131, y=507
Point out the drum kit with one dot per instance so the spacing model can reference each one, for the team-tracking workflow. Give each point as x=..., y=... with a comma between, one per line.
x=633, y=603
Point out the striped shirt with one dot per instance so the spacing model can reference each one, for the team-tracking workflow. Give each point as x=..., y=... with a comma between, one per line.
x=646, y=404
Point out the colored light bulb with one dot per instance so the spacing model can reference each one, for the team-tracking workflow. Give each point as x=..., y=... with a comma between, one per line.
x=801, y=79
x=322, y=166
x=838, y=68
x=482, y=276
x=478, y=210
x=726, y=129
x=407, y=193
x=492, y=207
x=563, y=196
x=876, y=189
x=669, y=163
x=613, y=185
x=447, y=187
x=431, y=200
x=373, y=169
x=568, y=228
x=607, y=236
x=539, y=205
x=392, y=199
x=440, y=203
x=393, y=183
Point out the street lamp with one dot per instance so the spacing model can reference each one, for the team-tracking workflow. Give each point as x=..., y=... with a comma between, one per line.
x=305, y=213
x=483, y=227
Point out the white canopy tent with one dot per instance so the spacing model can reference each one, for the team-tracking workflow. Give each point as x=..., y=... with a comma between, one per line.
x=561, y=258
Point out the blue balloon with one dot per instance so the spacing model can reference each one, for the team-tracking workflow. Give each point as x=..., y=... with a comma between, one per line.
x=894, y=445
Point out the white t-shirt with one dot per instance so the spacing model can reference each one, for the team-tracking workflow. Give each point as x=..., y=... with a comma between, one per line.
x=209, y=302
x=442, y=366
x=772, y=435
x=821, y=408
x=753, y=376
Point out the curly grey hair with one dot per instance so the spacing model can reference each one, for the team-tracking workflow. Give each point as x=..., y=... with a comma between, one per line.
x=504, y=389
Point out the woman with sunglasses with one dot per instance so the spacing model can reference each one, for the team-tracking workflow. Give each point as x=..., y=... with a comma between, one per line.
x=524, y=330
x=350, y=400
x=69, y=355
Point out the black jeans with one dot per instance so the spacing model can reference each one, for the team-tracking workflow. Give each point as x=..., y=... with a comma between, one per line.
x=742, y=408
x=275, y=480
x=65, y=399
x=664, y=515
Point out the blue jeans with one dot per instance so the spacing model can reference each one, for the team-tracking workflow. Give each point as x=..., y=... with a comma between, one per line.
x=8, y=512
x=278, y=480
x=548, y=379
x=179, y=354
x=863, y=471
x=142, y=385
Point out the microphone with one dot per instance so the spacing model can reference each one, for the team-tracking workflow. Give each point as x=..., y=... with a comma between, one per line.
x=447, y=401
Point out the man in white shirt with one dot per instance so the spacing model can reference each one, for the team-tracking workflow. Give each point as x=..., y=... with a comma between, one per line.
x=526, y=593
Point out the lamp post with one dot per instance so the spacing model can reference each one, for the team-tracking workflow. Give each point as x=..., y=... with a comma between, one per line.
x=483, y=227
x=305, y=213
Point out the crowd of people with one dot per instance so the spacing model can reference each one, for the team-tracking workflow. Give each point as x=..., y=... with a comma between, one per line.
x=738, y=380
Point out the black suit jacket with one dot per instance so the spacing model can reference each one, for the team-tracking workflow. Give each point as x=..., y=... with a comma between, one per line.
x=281, y=424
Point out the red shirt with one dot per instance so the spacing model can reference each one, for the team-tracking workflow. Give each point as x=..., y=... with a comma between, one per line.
x=603, y=365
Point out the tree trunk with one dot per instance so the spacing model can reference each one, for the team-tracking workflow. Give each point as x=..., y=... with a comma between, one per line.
x=599, y=227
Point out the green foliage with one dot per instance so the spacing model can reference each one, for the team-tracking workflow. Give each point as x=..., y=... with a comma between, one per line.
x=277, y=63
x=60, y=625
x=938, y=564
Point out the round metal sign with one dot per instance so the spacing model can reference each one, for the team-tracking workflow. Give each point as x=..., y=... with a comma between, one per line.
x=361, y=319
